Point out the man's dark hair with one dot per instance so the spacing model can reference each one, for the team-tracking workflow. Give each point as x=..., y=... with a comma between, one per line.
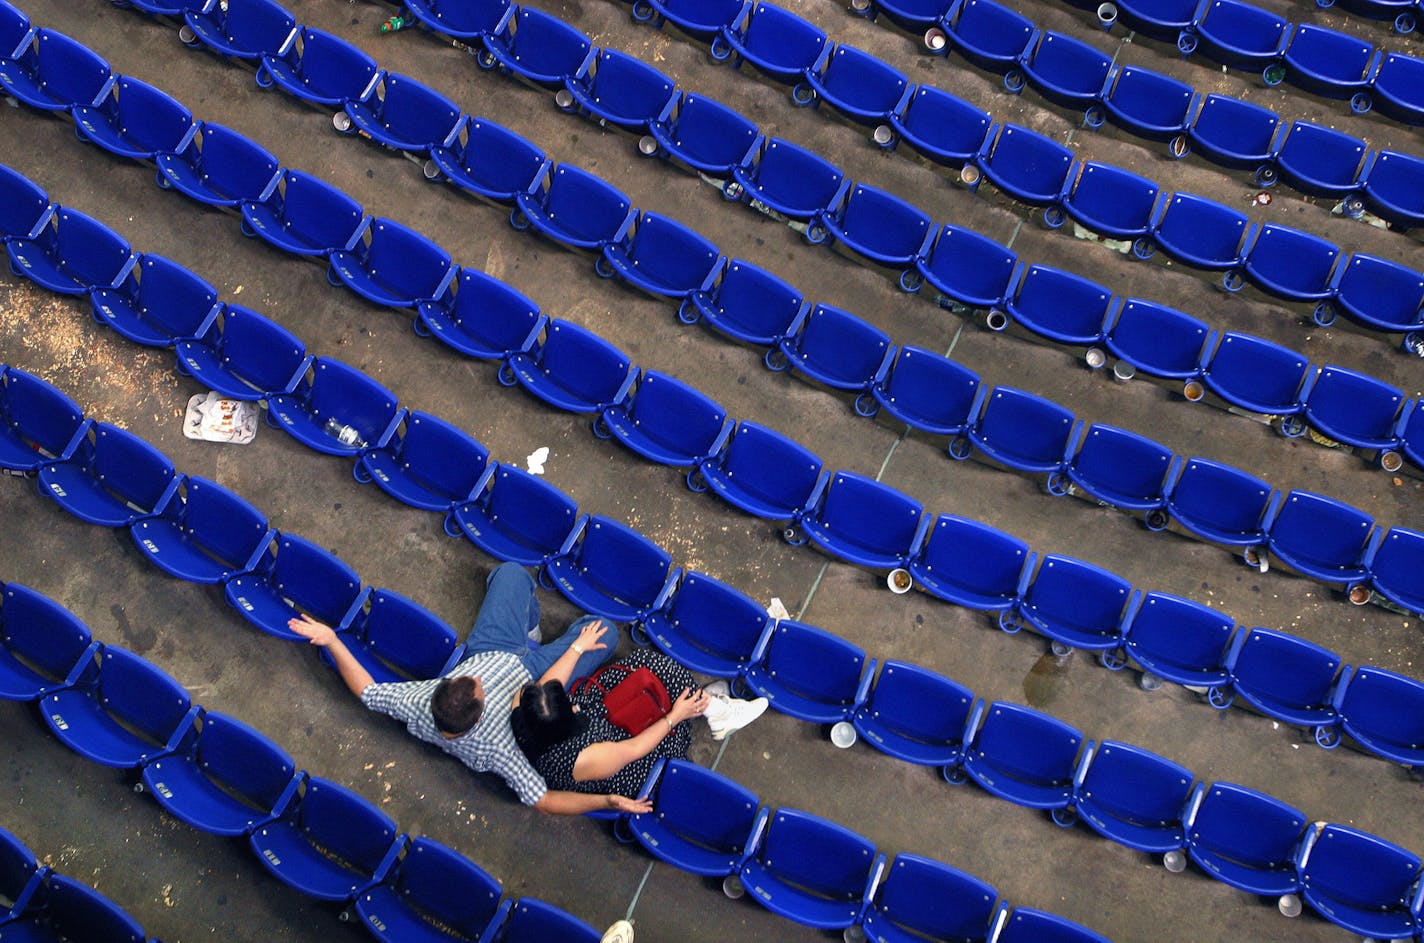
x=455, y=706
x=545, y=716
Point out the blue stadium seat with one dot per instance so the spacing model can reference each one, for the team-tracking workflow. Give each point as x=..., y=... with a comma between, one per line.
x=789, y=179
x=1356, y=409
x=615, y=88
x=21, y=877
x=1064, y=70
x=1395, y=560
x=1023, y=925
x=941, y=127
x=1360, y=882
x=1244, y=838
x=1257, y=375
x=912, y=16
x=25, y=209
x=968, y=268
x=703, y=135
x=1398, y=85
x=488, y=160
x=317, y=67
x=396, y=639
x=431, y=895
x=110, y=477
x=1159, y=340
x=809, y=870
x=747, y=303
x=295, y=577
x=73, y=254
x=1391, y=184
x=1132, y=796
x=1383, y=712
x=1025, y=164
x=573, y=207
x=863, y=521
x=705, y=624
x=528, y=920
x=1018, y=430
x=877, y=227
x=121, y=711
x=833, y=347
x=393, y=265
x=136, y=121
x=1410, y=430
x=761, y=472
x=970, y=564
x=1286, y=678
x=172, y=8
x=1201, y=232
x=662, y=257
x=1235, y=133
x=485, y=318
x=1113, y=202
x=808, y=673
x=73, y=911
x=329, y=843
x=916, y=715
x=220, y=167
x=1291, y=264
x=609, y=569
x=1330, y=63
x=245, y=356
x=206, y=534
x=53, y=72
x=1147, y=103
x=428, y=463
x=700, y=821
x=42, y=645
x=336, y=409
x=1178, y=640
x=240, y=29
x=924, y=390
x=1220, y=503
x=572, y=369
x=1073, y=603
x=224, y=778
x=666, y=421
x=1160, y=19
x=1120, y=468
x=405, y=115
x=1239, y=34
x=1402, y=12
x=305, y=215
x=468, y=20
x=1377, y=293
x=779, y=44
x=922, y=899
x=1320, y=161
x=990, y=35
x=158, y=304
x=1058, y=305
x=537, y=48
x=1320, y=537
x=861, y=87
x=700, y=19
x=37, y=421
x=15, y=31
x=1022, y=755
x=514, y=515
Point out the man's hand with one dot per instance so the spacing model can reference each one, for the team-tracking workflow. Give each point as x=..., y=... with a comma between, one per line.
x=318, y=633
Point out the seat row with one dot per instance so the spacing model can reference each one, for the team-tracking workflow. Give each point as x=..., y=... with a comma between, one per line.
x=221, y=776
x=39, y=904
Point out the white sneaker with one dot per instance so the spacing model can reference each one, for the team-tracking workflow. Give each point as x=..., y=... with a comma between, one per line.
x=717, y=688
x=725, y=714
x=620, y=932
x=535, y=636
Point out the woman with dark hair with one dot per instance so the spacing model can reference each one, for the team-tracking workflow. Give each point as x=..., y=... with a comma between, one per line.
x=574, y=745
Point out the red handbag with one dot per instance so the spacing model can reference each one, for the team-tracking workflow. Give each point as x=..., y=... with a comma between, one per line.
x=633, y=697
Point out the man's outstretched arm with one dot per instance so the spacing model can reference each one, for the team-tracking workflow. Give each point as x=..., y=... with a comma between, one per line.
x=562, y=802
x=324, y=636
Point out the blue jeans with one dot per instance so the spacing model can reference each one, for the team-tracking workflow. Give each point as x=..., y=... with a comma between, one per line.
x=510, y=610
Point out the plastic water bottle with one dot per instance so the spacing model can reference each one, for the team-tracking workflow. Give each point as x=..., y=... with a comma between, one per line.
x=346, y=435
x=397, y=23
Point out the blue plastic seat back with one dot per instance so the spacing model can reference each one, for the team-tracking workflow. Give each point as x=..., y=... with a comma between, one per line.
x=1397, y=567
x=620, y=562
x=1240, y=34
x=56, y=72
x=1059, y=305
x=1176, y=638
x=1023, y=925
x=1397, y=87
x=1234, y=132
x=539, y=47
x=404, y=635
x=340, y=391
x=622, y=89
x=310, y=212
x=159, y=303
x=321, y=68
x=751, y=304
x=1258, y=375
x=708, y=812
x=1148, y=103
x=1201, y=232
x=315, y=579
x=14, y=28
x=1112, y=201
x=942, y=127
x=135, y=693
x=36, y=418
x=705, y=134
x=1393, y=185
x=777, y=41
x=1220, y=502
x=432, y=884
x=791, y=179
x=887, y=228
x=1321, y=533
x=23, y=205
x=1075, y=598
x=970, y=268
x=243, y=28
x=255, y=350
x=78, y=912
x=340, y=827
x=1379, y=293
x=988, y=34
x=918, y=704
x=531, y=511
x=677, y=418
x=582, y=363
x=138, y=120
x=440, y=457
x=839, y=348
x=533, y=921
x=1159, y=340
x=583, y=205
x=860, y=84
x=975, y=564
x=405, y=261
x=670, y=255
x=122, y=466
x=1121, y=467
x=816, y=855
x=1359, y=870
x=74, y=254
x=1384, y=707
x=1026, y=745
x=1022, y=430
x=499, y=162
x=412, y=113
x=227, y=167
x=1291, y=263
x=1066, y=70
x=1320, y=160
x=462, y=19
x=1353, y=407
x=700, y=18
x=1235, y=828
x=1283, y=675
x=220, y=522
x=1160, y=19
x=929, y=391
x=872, y=518
x=1133, y=785
x=20, y=873
x=1025, y=164
x=49, y=640
x=492, y=319
x=769, y=466
x=811, y=662
x=931, y=900
x=242, y=763
x=1327, y=62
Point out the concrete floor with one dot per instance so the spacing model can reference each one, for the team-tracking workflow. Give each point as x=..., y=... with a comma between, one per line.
x=186, y=886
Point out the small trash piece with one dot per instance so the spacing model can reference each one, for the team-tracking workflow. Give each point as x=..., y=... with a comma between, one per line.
x=536, y=460
x=214, y=418
x=777, y=609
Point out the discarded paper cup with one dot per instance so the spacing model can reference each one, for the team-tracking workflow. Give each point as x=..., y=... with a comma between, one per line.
x=899, y=581
x=1391, y=461
x=1107, y=15
x=1193, y=391
x=860, y=6
x=1123, y=371
x=883, y=134
x=341, y=121
x=564, y=98
x=935, y=39
x=1174, y=861
x=647, y=145
x=1095, y=358
x=969, y=175
x=1359, y=594
x=843, y=734
x=996, y=320
x=1289, y=905
x=431, y=170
